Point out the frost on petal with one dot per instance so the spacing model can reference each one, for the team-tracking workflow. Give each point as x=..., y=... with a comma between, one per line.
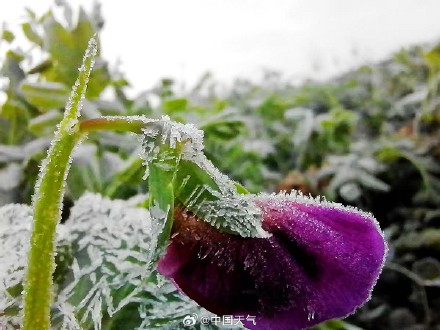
x=321, y=262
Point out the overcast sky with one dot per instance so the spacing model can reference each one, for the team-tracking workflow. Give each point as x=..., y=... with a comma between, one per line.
x=239, y=38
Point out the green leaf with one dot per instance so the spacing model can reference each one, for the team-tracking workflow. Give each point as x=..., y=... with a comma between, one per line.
x=370, y=181
x=174, y=105
x=65, y=54
x=336, y=325
x=47, y=204
x=161, y=189
x=224, y=129
x=433, y=57
x=99, y=79
x=45, y=95
x=31, y=34
x=229, y=211
x=160, y=183
x=17, y=114
x=84, y=174
x=8, y=35
x=350, y=191
x=11, y=69
x=198, y=184
x=426, y=239
x=65, y=48
x=129, y=176
x=41, y=67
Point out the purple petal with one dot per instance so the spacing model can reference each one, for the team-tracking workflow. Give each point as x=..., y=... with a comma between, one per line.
x=321, y=262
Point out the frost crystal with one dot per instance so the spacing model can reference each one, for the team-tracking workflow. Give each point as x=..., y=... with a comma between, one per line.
x=15, y=223
x=74, y=104
x=166, y=132
x=321, y=262
x=226, y=209
x=102, y=258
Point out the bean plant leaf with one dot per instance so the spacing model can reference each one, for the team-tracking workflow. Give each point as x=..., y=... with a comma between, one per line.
x=30, y=33
x=43, y=124
x=160, y=182
x=45, y=95
x=102, y=275
x=65, y=48
x=198, y=184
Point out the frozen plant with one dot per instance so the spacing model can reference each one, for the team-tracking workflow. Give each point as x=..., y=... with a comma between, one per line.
x=288, y=260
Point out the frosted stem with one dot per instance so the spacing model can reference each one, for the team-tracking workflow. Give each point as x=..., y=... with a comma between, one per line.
x=126, y=124
x=47, y=204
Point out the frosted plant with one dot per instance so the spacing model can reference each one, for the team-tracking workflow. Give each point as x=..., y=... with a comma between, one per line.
x=320, y=262
x=102, y=250
x=15, y=224
x=287, y=260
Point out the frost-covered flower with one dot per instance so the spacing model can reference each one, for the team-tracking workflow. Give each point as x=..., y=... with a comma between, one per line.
x=320, y=262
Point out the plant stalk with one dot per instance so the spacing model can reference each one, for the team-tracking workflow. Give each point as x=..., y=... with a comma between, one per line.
x=47, y=204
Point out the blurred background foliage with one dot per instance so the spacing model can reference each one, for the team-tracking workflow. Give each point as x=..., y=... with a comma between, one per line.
x=369, y=138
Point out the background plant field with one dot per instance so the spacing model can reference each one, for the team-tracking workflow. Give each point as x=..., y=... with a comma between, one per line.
x=369, y=138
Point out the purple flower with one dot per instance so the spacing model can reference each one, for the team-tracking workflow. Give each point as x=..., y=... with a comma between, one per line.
x=321, y=262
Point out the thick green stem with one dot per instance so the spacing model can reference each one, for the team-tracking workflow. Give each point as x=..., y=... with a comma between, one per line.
x=47, y=205
x=41, y=264
x=49, y=192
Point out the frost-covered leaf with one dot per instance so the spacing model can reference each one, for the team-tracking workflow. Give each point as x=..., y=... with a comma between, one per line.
x=427, y=238
x=350, y=191
x=216, y=202
x=109, y=108
x=111, y=241
x=305, y=120
x=351, y=172
x=102, y=277
x=15, y=225
x=224, y=127
x=336, y=325
x=45, y=124
x=410, y=103
x=110, y=279
x=45, y=95
x=10, y=176
x=199, y=185
x=161, y=201
x=370, y=181
x=129, y=176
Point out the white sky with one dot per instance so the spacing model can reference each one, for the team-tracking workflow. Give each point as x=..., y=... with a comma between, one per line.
x=238, y=38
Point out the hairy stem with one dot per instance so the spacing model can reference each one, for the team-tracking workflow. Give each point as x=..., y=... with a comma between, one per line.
x=47, y=204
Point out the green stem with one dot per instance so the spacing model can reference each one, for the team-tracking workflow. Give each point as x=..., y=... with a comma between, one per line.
x=47, y=204
x=124, y=123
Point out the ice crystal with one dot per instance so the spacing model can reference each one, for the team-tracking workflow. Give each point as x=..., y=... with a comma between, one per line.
x=15, y=223
x=225, y=208
x=74, y=104
x=321, y=262
x=102, y=258
x=166, y=132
